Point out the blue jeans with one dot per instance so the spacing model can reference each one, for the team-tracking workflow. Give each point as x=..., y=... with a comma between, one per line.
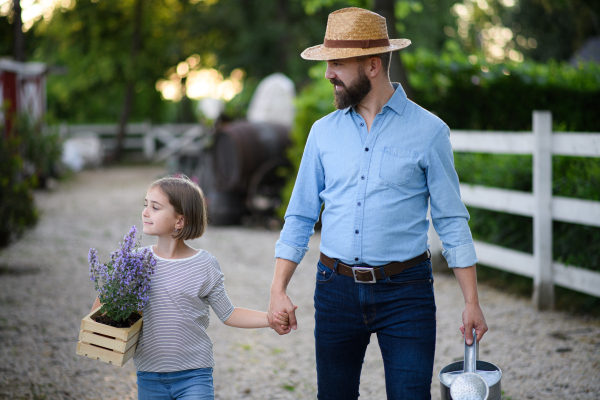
x=400, y=309
x=193, y=384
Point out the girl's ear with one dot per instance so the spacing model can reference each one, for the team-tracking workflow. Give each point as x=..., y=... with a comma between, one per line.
x=180, y=222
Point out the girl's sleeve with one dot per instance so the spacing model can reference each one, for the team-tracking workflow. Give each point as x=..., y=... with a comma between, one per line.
x=214, y=291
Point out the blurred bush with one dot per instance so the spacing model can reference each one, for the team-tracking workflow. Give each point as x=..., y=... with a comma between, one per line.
x=468, y=94
x=314, y=102
x=28, y=157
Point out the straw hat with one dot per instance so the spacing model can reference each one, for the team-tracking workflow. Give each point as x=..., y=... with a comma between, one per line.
x=354, y=32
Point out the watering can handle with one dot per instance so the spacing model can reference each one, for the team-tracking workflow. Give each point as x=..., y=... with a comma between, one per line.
x=471, y=354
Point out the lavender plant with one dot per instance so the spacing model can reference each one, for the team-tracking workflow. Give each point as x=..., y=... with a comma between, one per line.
x=123, y=283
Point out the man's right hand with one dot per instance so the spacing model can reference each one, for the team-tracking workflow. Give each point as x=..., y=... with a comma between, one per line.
x=280, y=301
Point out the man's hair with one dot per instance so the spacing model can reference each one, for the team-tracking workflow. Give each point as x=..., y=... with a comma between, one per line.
x=187, y=199
x=386, y=59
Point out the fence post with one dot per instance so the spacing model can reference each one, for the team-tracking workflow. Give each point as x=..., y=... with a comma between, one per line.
x=149, y=143
x=63, y=130
x=543, y=282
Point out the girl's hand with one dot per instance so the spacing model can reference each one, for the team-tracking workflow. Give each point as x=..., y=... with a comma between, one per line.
x=282, y=318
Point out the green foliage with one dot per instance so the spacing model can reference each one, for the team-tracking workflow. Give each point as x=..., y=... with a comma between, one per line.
x=94, y=41
x=313, y=6
x=577, y=177
x=17, y=208
x=503, y=96
x=41, y=148
x=27, y=157
x=314, y=102
x=237, y=107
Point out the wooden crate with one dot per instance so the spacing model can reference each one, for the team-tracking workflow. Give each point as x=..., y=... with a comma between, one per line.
x=107, y=343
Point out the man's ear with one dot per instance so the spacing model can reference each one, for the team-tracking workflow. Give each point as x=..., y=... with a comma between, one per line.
x=374, y=66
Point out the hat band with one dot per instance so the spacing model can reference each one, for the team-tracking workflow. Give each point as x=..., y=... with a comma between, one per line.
x=356, y=44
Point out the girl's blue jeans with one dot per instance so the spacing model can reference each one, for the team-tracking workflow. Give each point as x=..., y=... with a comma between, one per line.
x=193, y=384
x=400, y=309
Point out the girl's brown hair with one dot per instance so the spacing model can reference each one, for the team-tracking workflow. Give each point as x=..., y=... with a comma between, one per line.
x=187, y=199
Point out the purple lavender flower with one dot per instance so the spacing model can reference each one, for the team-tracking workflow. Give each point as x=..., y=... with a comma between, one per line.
x=124, y=281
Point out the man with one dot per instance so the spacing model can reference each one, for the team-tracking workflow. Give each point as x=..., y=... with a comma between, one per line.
x=374, y=164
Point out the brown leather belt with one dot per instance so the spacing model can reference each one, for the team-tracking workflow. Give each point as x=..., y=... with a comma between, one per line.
x=368, y=274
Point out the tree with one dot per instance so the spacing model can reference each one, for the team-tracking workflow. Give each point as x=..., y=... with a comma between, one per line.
x=18, y=36
x=386, y=8
x=136, y=43
x=89, y=38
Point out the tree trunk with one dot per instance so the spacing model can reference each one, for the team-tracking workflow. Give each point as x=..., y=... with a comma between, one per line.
x=283, y=41
x=19, y=36
x=130, y=85
x=385, y=8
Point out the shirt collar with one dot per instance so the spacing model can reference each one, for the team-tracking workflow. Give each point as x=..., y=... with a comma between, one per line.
x=397, y=102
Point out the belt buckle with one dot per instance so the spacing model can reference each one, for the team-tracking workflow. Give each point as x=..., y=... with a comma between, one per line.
x=354, y=269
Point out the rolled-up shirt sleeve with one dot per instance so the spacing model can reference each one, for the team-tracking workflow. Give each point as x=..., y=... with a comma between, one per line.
x=304, y=207
x=449, y=214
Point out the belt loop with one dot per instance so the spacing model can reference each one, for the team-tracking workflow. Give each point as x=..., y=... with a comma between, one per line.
x=335, y=266
x=381, y=271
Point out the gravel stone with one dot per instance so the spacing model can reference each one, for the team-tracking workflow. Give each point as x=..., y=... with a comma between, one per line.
x=45, y=291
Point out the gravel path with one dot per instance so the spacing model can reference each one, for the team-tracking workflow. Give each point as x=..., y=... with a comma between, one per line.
x=45, y=291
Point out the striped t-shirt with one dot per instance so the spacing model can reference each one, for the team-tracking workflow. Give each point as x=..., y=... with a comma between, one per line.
x=176, y=315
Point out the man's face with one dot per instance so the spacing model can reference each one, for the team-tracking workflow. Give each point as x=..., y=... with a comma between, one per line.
x=351, y=84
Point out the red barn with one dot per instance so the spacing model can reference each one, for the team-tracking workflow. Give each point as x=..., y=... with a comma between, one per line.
x=22, y=90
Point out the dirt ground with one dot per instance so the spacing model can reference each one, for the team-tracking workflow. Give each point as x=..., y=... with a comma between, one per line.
x=45, y=291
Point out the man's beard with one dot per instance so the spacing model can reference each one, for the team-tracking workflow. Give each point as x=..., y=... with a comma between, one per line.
x=352, y=95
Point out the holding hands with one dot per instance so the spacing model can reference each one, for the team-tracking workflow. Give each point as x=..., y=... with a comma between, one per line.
x=280, y=321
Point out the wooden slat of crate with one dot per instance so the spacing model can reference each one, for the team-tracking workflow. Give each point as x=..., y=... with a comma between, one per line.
x=105, y=355
x=88, y=324
x=108, y=342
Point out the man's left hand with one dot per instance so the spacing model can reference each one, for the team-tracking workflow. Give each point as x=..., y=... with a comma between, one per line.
x=472, y=317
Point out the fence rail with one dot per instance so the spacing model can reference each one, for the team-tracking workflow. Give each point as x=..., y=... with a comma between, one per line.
x=158, y=142
x=540, y=204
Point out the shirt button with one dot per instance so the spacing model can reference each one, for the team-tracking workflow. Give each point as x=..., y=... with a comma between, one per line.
x=356, y=231
x=367, y=149
x=361, y=124
x=362, y=177
x=355, y=258
x=358, y=203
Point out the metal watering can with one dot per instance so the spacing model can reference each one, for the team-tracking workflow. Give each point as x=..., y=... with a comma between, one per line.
x=471, y=379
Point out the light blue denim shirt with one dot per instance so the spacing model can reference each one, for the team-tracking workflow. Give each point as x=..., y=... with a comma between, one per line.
x=376, y=186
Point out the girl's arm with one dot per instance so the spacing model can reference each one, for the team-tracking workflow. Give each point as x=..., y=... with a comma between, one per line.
x=245, y=318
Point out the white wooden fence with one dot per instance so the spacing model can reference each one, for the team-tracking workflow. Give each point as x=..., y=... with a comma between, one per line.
x=144, y=137
x=540, y=205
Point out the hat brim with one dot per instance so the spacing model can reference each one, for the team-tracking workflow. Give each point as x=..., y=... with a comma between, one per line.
x=322, y=53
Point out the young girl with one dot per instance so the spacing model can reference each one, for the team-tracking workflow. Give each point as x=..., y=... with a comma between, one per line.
x=174, y=358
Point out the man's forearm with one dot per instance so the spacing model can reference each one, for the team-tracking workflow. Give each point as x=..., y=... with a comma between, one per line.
x=284, y=270
x=467, y=279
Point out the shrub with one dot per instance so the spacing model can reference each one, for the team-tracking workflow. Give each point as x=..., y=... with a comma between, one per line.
x=17, y=209
x=27, y=157
x=314, y=102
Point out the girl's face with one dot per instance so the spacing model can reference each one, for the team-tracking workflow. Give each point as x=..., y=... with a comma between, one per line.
x=159, y=217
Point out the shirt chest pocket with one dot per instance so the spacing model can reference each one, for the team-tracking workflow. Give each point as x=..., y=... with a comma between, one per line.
x=397, y=165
